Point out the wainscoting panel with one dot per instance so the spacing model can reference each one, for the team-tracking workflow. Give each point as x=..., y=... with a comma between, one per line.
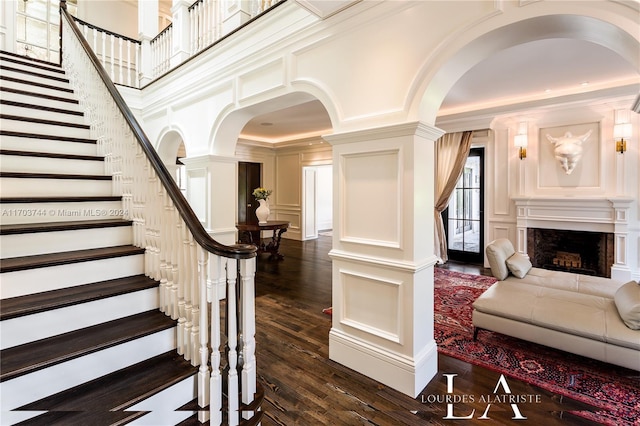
x=371, y=304
x=196, y=187
x=371, y=193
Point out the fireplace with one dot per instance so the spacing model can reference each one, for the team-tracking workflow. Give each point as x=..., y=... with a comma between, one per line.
x=589, y=253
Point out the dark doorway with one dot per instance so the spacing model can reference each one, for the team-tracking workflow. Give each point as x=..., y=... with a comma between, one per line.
x=464, y=217
x=249, y=178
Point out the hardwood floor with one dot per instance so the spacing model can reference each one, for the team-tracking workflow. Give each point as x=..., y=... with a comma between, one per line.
x=303, y=387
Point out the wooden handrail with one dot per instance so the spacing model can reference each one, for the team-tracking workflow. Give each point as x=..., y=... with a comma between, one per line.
x=167, y=28
x=95, y=27
x=200, y=235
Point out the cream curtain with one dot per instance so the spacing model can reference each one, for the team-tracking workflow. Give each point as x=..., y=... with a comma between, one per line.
x=452, y=150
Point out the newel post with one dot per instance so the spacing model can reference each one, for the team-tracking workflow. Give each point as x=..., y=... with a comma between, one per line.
x=181, y=31
x=148, y=27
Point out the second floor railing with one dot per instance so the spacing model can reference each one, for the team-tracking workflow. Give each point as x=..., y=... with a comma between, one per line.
x=206, y=24
x=120, y=55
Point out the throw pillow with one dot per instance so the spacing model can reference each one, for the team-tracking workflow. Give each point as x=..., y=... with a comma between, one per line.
x=627, y=299
x=498, y=251
x=519, y=265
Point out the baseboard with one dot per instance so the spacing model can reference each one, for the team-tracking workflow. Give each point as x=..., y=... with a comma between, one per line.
x=404, y=374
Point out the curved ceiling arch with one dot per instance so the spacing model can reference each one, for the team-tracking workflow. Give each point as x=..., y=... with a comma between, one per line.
x=583, y=30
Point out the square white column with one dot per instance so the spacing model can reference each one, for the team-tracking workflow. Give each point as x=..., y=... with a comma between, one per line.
x=383, y=254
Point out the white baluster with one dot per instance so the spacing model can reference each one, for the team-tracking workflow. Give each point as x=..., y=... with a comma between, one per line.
x=232, y=344
x=217, y=274
x=247, y=298
x=204, y=375
x=194, y=298
x=120, y=75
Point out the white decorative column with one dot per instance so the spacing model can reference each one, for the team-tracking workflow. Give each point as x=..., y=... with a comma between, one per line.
x=620, y=269
x=212, y=191
x=383, y=254
x=181, y=29
x=147, y=30
x=234, y=14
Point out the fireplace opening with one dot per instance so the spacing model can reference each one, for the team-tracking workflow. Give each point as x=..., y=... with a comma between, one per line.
x=589, y=253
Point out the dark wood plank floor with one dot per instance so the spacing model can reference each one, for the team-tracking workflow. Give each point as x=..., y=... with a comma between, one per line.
x=303, y=387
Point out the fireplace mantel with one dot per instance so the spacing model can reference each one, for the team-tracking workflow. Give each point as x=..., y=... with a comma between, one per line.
x=598, y=214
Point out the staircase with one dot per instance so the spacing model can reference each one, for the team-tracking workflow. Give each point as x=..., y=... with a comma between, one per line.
x=82, y=340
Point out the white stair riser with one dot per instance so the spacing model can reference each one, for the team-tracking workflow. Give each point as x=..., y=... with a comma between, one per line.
x=41, y=187
x=50, y=146
x=62, y=241
x=33, y=78
x=21, y=111
x=18, y=331
x=25, y=64
x=162, y=405
x=29, y=164
x=28, y=99
x=16, y=213
x=44, y=129
x=20, y=283
x=39, y=384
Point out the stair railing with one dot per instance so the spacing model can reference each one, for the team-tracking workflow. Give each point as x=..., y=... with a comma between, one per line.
x=161, y=51
x=195, y=271
x=119, y=54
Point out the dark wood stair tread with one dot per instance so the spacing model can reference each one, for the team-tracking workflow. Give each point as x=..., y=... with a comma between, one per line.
x=32, y=62
x=34, y=356
x=51, y=155
x=47, y=137
x=63, y=199
x=63, y=258
x=30, y=228
x=40, y=107
x=53, y=176
x=82, y=418
x=44, y=121
x=39, y=95
x=36, y=73
x=14, y=307
x=120, y=389
x=35, y=84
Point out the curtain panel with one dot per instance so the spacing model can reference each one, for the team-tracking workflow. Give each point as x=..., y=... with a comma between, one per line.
x=452, y=150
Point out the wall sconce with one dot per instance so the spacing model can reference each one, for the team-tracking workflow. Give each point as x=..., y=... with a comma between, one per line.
x=520, y=140
x=621, y=130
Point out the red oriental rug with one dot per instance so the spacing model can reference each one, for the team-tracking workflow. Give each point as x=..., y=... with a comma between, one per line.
x=615, y=390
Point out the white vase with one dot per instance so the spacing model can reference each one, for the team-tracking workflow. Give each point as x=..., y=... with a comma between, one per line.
x=263, y=211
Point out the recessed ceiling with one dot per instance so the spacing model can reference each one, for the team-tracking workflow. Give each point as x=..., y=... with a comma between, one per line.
x=539, y=69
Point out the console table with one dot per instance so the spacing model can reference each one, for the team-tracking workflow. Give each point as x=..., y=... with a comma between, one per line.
x=246, y=230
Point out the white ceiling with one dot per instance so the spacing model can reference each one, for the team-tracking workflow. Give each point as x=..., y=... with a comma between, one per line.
x=535, y=70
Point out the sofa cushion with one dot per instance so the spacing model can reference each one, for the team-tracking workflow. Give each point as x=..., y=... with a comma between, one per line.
x=627, y=300
x=498, y=251
x=586, y=284
x=519, y=265
x=569, y=312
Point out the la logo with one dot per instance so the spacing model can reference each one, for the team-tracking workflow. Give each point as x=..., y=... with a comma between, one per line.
x=502, y=382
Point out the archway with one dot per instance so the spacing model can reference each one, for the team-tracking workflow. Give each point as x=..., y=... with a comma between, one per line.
x=440, y=79
x=171, y=149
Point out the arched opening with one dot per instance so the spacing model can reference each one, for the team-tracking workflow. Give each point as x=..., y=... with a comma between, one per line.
x=172, y=149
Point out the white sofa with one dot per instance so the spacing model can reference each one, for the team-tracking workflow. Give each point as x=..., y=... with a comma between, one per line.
x=591, y=316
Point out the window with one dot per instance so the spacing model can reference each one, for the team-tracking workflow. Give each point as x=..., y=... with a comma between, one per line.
x=38, y=28
x=464, y=215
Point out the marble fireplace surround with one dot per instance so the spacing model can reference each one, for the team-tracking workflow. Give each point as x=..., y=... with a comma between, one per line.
x=595, y=214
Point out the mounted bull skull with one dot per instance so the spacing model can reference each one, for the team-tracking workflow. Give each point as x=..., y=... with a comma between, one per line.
x=568, y=149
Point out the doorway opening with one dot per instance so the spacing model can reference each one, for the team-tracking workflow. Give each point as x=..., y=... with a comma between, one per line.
x=464, y=217
x=317, y=200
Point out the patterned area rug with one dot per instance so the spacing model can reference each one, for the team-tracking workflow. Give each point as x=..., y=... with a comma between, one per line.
x=615, y=390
